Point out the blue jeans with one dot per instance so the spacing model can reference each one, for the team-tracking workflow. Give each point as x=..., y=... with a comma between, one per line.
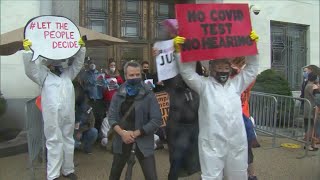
x=249, y=128
x=88, y=138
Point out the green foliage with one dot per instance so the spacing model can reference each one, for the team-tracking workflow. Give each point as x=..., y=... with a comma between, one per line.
x=3, y=104
x=269, y=81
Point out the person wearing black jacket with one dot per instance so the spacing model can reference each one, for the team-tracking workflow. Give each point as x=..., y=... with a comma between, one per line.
x=157, y=86
x=182, y=129
x=145, y=71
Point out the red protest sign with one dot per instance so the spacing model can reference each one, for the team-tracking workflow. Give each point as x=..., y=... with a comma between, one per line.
x=214, y=31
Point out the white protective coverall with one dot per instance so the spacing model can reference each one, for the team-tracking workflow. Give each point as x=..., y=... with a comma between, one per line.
x=223, y=148
x=58, y=104
x=105, y=128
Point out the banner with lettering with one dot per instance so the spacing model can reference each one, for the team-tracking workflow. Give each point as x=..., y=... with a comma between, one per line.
x=164, y=102
x=166, y=64
x=215, y=31
x=52, y=37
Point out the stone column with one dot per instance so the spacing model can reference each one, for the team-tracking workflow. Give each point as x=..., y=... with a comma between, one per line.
x=69, y=9
x=46, y=7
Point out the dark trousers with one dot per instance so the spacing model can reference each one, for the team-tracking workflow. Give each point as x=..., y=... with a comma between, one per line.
x=161, y=132
x=99, y=112
x=250, y=155
x=148, y=164
x=183, y=150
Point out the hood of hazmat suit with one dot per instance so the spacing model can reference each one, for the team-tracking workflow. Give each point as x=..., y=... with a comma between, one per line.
x=58, y=103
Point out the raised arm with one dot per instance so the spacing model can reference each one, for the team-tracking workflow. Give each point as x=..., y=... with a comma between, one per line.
x=248, y=74
x=36, y=72
x=189, y=75
x=77, y=64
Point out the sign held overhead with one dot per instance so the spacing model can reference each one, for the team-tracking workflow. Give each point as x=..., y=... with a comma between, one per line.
x=215, y=31
x=166, y=63
x=53, y=37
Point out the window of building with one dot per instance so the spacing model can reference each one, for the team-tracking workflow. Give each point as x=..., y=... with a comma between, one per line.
x=97, y=15
x=289, y=51
x=137, y=21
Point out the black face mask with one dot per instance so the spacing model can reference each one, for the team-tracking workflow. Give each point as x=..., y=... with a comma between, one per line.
x=222, y=77
x=134, y=82
x=57, y=70
x=145, y=71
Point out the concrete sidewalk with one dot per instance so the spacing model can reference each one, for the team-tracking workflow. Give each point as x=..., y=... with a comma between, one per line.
x=271, y=164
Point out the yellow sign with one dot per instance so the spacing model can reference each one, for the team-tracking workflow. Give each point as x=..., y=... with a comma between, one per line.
x=290, y=145
x=163, y=100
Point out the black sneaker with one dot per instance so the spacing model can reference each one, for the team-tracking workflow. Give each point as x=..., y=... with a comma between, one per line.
x=71, y=176
x=255, y=143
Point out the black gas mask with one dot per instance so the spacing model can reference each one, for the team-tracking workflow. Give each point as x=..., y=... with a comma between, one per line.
x=222, y=77
x=146, y=71
x=57, y=70
x=57, y=66
x=220, y=70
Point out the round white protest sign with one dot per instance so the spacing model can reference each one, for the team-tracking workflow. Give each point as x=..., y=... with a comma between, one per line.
x=52, y=37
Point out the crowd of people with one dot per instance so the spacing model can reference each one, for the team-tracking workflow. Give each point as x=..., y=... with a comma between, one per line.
x=198, y=132
x=120, y=105
x=310, y=90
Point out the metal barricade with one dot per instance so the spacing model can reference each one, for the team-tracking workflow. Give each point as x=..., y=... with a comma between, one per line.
x=36, y=139
x=263, y=108
x=281, y=116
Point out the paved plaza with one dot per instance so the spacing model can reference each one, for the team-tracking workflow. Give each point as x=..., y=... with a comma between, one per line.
x=271, y=164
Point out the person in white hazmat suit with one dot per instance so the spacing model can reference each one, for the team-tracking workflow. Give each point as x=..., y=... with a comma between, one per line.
x=58, y=109
x=222, y=136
